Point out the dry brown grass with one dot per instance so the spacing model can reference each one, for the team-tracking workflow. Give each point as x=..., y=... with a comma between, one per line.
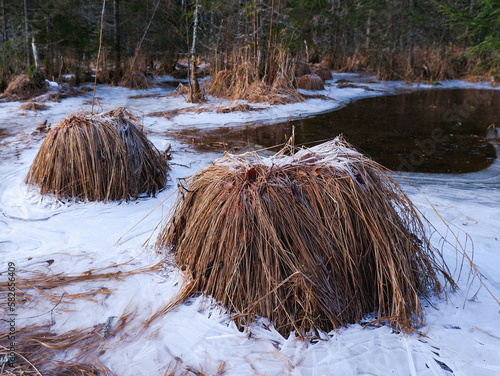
x=141, y=96
x=135, y=80
x=310, y=82
x=323, y=73
x=53, y=288
x=422, y=63
x=98, y=157
x=311, y=241
x=23, y=87
x=240, y=107
x=33, y=106
x=301, y=69
x=36, y=349
x=242, y=81
x=221, y=83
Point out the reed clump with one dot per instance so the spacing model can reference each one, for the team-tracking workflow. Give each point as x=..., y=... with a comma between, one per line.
x=301, y=68
x=244, y=81
x=311, y=241
x=24, y=87
x=310, y=82
x=33, y=106
x=98, y=157
x=323, y=73
x=135, y=80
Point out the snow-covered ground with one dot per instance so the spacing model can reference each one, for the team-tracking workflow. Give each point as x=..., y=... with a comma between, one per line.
x=461, y=335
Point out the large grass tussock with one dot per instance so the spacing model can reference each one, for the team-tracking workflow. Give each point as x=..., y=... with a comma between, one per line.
x=98, y=157
x=311, y=241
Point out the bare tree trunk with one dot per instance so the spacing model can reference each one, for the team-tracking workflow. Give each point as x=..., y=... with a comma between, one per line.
x=35, y=55
x=29, y=59
x=4, y=23
x=116, y=4
x=226, y=61
x=255, y=39
x=368, y=29
x=411, y=40
x=195, y=87
x=134, y=60
x=269, y=44
x=49, y=63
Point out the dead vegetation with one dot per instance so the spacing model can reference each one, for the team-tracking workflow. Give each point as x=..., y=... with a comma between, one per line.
x=427, y=64
x=310, y=82
x=311, y=241
x=135, y=80
x=23, y=87
x=36, y=350
x=243, y=81
x=141, y=96
x=41, y=351
x=240, y=107
x=62, y=91
x=323, y=73
x=98, y=157
x=37, y=286
x=33, y=106
x=301, y=68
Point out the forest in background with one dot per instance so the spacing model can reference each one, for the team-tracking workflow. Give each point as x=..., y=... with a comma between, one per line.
x=411, y=40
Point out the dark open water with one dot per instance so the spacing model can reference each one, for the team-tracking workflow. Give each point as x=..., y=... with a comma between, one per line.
x=440, y=130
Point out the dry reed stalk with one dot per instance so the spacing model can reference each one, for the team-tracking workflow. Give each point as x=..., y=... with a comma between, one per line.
x=323, y=73
x=32, y=106
x=242, y=81
x=310, y=82
x=135, y=80
x=311, y=241
x=181, y=90
x=221, y=83
x=99, y=157
x=23, y=87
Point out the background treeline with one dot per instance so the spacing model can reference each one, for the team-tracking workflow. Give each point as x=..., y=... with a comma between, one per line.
x=394, y=39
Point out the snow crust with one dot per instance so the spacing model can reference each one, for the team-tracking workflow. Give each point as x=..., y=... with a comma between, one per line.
x=461, y=333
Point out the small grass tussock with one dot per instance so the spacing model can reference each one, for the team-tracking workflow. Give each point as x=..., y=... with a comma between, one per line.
x=310, y=82
x=311, y=241
x=24, y=87
x=135, y=80
x=33, y=106
x=323, y=73
x=302, y=68
x=98, y=157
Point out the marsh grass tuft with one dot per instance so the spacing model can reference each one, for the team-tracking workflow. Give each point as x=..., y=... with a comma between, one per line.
x=311, y=241
x=135, y=80
x=99, y=157
x=23, y=87
x=33, y=106
x=310, y=82
x=243, y=81
x=323, y=73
